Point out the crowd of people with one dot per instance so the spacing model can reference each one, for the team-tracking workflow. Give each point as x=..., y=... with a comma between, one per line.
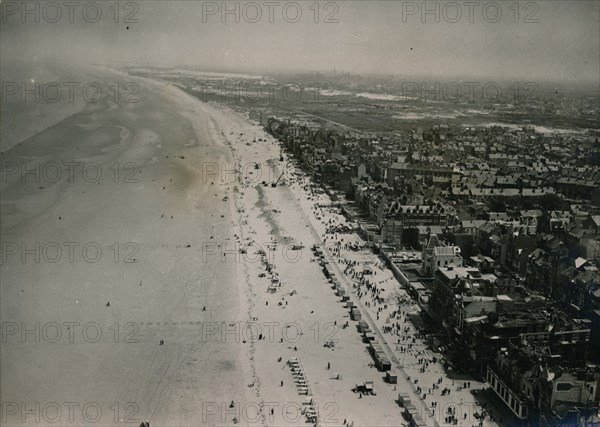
x=376, y=287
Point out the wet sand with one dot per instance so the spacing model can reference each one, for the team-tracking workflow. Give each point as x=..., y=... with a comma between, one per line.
x=156, y=283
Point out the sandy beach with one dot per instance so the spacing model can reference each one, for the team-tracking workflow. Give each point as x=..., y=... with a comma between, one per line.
x=303, y=313
x=297, y=212
x=98, y=320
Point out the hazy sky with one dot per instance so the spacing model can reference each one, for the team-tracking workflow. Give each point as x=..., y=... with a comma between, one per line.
x=370, y=36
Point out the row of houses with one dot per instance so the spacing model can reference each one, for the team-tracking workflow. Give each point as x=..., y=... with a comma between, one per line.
x=507, y=226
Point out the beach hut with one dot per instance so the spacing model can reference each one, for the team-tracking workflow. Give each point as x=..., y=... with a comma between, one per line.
x=403, y=399
x=370, y=336
x=383, y=364
x=391, y=377
x=355, y=314
x=375, y=348
x=363, y=326
x=410, y=408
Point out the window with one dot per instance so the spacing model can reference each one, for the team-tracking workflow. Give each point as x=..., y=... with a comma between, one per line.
x=563, y=386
